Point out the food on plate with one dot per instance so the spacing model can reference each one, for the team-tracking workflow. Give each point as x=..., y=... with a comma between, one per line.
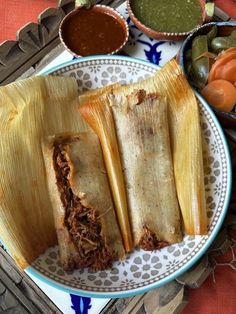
x=143, y=137
x=186, y=141
x=49, y=108
x=98, y=114
x=211, y=59
x=93, y=94
x=94, y=30
x=185, y=134
x=85, y=221
x=177, y=16
x=31, y=110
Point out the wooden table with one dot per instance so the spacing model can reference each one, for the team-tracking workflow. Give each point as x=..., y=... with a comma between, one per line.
x=35, y=47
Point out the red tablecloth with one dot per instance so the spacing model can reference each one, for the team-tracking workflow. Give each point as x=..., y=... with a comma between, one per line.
x=214, y=297
x=228, y=6
x=218, y=293
x=14, y=14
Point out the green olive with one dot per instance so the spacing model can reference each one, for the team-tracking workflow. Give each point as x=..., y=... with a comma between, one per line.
x=223, y=43
x=200, y=63
x=212, y=34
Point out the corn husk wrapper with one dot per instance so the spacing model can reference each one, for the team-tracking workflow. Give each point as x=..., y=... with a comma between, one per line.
x=94, y=94
x=88, y=181
x=98, y=115
x=30, y=110
x=143, y=136
x=186, y=141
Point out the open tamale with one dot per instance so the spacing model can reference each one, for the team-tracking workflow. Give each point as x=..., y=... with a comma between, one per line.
x=87, y=230
x=31, y=109
x=143, y=137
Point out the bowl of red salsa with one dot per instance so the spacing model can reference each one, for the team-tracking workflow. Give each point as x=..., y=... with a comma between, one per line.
x=97, y=30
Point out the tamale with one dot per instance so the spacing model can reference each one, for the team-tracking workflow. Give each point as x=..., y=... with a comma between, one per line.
x=31, y=109
x=87, y=230
x=143, y=137
x=186, y=141
x=98, y=115
x=93, y=94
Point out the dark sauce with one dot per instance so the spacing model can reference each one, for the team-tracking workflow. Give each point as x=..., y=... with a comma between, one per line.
x=90, y=32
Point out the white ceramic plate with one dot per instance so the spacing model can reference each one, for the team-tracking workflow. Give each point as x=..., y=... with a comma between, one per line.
x=142, y=271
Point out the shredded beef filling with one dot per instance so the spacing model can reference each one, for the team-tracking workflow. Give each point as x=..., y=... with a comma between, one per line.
x=149, y=241
x=83, y=224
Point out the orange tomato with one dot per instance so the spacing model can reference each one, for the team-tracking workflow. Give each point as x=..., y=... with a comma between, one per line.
x=220, y=94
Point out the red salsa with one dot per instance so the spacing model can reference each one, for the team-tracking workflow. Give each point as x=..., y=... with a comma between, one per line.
x=91, y=31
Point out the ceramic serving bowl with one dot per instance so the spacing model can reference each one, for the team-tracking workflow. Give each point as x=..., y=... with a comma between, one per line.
x=160, y=34
x=95, y=37
x=227, y=119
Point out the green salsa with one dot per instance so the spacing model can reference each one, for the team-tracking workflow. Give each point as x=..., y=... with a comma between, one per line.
x=171, y=16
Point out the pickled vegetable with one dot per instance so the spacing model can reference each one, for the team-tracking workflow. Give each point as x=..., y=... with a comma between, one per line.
x=212, y=34
x=229, y=71
x=200, y=63
x=212, y=68
x=215, y=71
x=222, y=43
x=220, y=94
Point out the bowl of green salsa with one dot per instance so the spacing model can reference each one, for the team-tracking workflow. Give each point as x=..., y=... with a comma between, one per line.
x=167, y=19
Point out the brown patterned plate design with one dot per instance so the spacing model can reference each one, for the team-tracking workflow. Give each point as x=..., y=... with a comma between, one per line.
x=142, y=271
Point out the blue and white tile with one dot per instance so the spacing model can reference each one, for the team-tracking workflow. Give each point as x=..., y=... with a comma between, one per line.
x=143, y=47
x=69, y=303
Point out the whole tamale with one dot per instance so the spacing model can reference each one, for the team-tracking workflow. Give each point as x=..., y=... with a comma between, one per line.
x=31, y=109
x=143, y=137
x=87, y=230
x=186, y=141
